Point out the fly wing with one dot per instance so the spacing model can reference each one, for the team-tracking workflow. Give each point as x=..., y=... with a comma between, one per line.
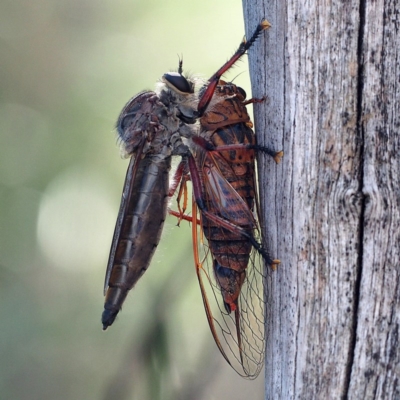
x=126, y=194
x=131, y=131
x=144, y=200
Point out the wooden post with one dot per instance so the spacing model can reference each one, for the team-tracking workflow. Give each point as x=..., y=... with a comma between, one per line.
x=331, y=72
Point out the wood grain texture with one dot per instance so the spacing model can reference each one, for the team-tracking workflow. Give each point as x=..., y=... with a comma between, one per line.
x=331, y=73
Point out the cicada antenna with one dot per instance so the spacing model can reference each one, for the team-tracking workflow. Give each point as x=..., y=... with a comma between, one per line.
x=240, y=73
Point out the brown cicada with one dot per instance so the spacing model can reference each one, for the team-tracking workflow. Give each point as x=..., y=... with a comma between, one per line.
x=229, y=263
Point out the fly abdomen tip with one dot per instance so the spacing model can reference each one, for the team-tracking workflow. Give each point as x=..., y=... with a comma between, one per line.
x=108, y=318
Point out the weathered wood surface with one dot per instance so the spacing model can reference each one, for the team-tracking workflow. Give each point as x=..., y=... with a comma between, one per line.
x=331, y=72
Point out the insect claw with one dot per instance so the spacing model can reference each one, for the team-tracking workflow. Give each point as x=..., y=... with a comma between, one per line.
x=274, y=264
x=278, y=156
x=265, y=24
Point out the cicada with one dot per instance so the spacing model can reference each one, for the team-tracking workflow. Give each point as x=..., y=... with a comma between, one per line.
x=228, y=251
x=229, y=263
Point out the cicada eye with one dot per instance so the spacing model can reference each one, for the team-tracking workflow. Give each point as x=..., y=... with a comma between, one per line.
x=241, y=91
x=178, y=81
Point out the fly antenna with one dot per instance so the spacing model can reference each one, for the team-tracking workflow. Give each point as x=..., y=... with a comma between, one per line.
x=180, y=69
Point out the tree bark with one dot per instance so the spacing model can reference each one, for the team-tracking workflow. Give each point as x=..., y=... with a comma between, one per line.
x=331, y=74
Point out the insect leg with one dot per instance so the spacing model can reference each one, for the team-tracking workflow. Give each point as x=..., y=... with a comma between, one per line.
x=277, y=155
x=180, y=178
x=177, y=178
x=213, y=81
x=237, y=229
x=254, y=100
x=184, y=217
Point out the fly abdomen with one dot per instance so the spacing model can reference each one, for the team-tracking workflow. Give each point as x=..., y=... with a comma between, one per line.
x=138, y=230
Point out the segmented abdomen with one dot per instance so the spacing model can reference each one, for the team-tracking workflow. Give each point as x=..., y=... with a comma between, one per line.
x=138, y=230
x=231, y=249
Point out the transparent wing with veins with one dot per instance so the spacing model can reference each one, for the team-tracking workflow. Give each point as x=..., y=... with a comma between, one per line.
x=239, y=334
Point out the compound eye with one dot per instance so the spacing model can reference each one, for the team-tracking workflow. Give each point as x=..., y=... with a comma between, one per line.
x=241, y=91
x=178, y=81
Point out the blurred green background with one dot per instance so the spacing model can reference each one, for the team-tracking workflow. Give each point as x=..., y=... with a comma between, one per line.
x=67, y=69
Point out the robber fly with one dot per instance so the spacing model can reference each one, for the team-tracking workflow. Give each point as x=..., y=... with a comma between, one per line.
x=150, y=128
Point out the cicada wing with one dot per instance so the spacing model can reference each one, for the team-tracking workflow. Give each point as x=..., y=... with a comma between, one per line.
x=223, y=197
x=239, y=334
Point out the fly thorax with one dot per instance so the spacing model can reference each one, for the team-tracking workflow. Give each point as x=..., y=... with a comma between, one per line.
x=178, y=147
x=162, y=155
